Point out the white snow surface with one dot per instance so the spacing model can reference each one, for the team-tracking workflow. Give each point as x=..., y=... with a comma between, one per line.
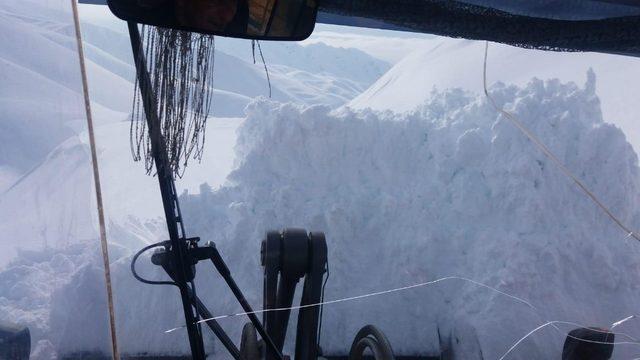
x=450, y=190
x=453, y=189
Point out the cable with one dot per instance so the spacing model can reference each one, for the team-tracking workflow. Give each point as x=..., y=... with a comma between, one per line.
x=324, y=285
x=135, y=259
x=549, y=154
x=253, y=52
x=358, y=297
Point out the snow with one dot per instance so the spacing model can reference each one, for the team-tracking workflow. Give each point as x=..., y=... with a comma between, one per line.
x=314, y=57
x=455, y=183
x=61, y=204
x=42, y=127
x=41, y=84
x=53, y=35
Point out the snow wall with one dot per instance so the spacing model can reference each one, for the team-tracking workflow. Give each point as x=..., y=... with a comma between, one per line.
x=450, y=190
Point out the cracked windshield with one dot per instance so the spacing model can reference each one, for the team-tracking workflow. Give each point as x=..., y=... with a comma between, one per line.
x=277, y=179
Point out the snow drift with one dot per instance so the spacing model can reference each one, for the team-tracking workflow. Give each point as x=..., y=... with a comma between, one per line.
x=451, y=189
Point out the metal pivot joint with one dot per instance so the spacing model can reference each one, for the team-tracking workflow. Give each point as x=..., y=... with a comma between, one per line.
x=287, y=257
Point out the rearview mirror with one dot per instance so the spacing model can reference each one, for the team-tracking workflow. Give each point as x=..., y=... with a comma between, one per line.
x=249, y=19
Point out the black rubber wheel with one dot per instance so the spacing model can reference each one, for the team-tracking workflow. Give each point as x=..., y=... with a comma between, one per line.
x=249, y=348
x=370, y=337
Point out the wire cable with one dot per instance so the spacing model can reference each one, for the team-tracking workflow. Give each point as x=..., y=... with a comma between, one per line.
x=545, y=150
x=135, y=259
x=253, y=52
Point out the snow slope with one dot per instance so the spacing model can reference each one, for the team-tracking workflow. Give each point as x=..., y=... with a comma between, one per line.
x=313, y=57
x=446, y=63
x=26, y=31
x=40, y=93
x=50, y=210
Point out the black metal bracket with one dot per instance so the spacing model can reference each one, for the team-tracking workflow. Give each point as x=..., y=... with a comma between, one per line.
x=210, y=252
x=287, y=257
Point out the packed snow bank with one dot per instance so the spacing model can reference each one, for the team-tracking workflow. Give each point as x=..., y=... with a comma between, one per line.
x=452, y=189
x=35, y=278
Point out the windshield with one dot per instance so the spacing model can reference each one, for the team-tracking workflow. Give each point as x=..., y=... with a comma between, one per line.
x=459, y=223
